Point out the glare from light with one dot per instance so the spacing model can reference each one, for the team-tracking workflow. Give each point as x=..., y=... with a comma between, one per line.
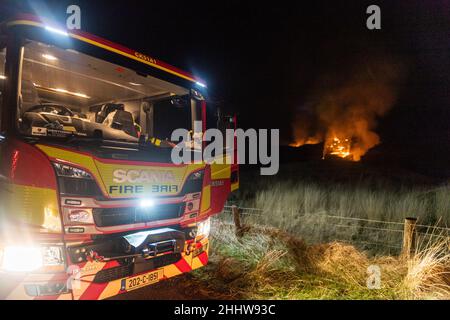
x=200, y=84
x=2, y=77
x=82, y=95
x=147, y=203
x=22, y=259
x=204, y=228
x=135, y=84
x=58, y=31
x=77, y=94
x=51, y=220
x=72, y=51
x=49, y=57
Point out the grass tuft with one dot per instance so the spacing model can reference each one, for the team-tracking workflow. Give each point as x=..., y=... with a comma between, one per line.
x=268, y=263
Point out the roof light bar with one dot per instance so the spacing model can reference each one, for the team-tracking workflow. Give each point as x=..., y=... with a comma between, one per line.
x=58, y=31
x=200, y=84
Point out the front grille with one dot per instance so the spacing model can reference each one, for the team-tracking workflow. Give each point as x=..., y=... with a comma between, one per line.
x=111, y=274
x=107, y=217
x=115, y=273
x=165, y=260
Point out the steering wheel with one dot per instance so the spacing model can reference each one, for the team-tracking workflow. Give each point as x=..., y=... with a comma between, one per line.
x=52, y=108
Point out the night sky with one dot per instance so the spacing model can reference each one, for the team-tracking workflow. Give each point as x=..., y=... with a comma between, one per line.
x=265, y=60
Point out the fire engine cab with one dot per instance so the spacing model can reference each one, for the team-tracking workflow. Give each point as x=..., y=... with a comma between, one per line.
x=91, y=204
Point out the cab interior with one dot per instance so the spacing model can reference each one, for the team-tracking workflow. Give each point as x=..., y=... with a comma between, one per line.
x=67, y=92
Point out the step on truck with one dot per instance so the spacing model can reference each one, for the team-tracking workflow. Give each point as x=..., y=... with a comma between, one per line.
x=91, y=204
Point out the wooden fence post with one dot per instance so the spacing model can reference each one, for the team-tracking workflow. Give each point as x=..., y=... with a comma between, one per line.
x=237, y=219
x=409, y=237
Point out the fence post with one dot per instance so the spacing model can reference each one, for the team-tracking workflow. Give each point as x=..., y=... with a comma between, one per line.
x=409, y=237
x=237, y=219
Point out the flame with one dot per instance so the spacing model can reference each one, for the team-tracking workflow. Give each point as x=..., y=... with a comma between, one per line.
x=345, y=116
x=311, y=140
x=339, y=148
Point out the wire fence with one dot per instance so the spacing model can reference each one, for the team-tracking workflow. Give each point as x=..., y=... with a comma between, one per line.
x=375, y=236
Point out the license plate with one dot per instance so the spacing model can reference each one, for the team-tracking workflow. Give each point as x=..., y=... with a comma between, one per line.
x=142, y=280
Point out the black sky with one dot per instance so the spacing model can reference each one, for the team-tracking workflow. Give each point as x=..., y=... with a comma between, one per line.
x=264, y=59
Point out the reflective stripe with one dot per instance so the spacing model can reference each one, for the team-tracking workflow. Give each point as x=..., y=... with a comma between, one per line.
x=106, y=47
x=112, y=289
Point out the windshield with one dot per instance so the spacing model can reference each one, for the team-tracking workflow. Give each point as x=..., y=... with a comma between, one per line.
x=67, y=93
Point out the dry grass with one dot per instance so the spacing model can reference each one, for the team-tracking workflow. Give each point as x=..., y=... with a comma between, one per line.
x=320, y=231
x=428, y=275
x=361, y=199
x=320, y=213
x=267, y=263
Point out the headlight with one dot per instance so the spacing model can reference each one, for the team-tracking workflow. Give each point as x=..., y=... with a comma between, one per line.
x=203, y=228
x=75, y=182
x=63, y=170
x=30, y=258
x=194, y=182
x=198, y=175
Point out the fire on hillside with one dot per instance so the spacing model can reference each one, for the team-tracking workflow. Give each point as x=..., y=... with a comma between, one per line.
x=345, y=116
x=339, y=148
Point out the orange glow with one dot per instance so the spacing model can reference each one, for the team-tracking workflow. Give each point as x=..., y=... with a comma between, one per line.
x=300, y=143
x=338, y=147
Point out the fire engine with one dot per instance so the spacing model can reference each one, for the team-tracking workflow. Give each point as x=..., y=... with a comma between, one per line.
x=91, y=204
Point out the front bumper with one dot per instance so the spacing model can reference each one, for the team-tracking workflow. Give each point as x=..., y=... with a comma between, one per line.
x=96, y=279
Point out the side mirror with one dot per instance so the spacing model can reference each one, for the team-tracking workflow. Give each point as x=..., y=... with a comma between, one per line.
x=178, y=102
x=117, y=125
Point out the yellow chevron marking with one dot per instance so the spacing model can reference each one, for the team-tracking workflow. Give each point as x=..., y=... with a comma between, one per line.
x=66, y=296
x=80, y=285
x=196, y=263
x=111, y=289
x=171, y=271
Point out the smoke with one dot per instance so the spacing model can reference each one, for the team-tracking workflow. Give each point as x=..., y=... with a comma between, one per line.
x=349, y=110
x=305, y=129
